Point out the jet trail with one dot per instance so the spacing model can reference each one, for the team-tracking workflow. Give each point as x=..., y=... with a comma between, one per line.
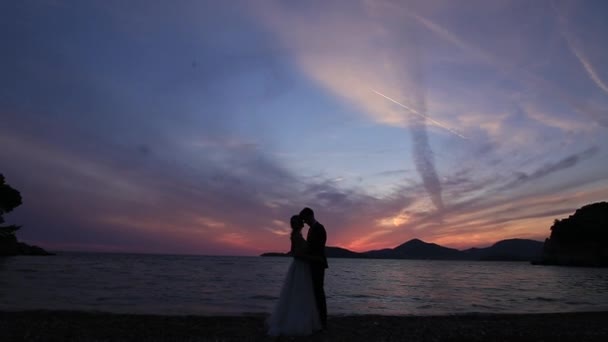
x=412, y=110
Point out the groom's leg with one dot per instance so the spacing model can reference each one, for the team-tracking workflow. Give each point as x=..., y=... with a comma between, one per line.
x=318, y=279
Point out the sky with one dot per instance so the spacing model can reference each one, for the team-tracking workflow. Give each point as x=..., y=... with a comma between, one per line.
x=200, y=127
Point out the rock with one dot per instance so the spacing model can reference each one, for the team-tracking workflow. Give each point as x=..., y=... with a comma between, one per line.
x=9, y=246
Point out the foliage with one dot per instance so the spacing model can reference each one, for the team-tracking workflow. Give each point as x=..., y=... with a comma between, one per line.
x=588, y=224
x=10, y=199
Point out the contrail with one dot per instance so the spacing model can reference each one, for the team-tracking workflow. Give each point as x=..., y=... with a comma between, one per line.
x=571, y=41
x=412, y=110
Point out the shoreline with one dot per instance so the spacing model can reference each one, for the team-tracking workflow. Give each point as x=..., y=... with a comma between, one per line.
x=45, y=325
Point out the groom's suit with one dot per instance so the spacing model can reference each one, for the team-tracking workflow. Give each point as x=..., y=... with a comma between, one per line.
x=316, y=239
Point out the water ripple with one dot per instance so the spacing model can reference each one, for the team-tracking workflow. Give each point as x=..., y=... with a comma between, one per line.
x=233, y=285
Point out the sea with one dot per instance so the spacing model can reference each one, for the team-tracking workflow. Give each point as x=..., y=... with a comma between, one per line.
x=223, y=285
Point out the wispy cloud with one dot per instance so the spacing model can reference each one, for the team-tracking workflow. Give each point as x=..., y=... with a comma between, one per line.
x=352, y=69
x=574, y=46
x=280, y=232
x=533, y=81
x=547, y=169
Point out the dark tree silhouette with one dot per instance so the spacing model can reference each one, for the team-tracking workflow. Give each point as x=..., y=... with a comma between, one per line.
x=10, y=199
x=589, y=223
x=580, y=239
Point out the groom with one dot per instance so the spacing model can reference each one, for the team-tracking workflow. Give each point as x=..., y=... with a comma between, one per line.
x=316, y=239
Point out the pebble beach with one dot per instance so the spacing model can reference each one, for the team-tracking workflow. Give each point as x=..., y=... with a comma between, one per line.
x=97, y=326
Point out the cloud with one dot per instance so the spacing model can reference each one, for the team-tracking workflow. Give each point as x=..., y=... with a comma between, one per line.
x=574, y=46
x=492, y=124
x=561, y=122
x=147, y=143
x=350, y=68
x=188, y=207
x=280, y=232
x=451, y=37
x=350, y=52
x=514, y=71
x=425, y=165
x=587, y=66
x=392, y=173
x=547, y=169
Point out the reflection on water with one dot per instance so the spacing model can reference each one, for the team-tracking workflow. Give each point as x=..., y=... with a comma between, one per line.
x=429, y=287
x=233, y=285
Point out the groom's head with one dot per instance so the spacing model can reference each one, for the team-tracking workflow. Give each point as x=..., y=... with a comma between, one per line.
x=308, y=216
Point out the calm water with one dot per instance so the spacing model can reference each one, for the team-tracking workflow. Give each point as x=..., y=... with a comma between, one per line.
x=235, y=285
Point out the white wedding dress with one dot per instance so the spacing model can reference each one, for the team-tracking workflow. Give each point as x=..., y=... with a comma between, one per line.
x=295, y=314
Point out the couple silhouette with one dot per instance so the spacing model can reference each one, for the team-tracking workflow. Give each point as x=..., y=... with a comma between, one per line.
x=301, y=309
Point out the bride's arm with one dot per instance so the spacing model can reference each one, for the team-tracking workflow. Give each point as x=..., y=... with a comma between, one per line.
x=299, y=249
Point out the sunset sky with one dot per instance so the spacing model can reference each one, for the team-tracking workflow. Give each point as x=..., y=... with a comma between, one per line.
x=200, y=127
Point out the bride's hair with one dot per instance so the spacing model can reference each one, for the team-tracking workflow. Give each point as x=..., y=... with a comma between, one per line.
x=296, y=223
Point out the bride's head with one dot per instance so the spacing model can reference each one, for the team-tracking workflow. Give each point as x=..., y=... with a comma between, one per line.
x=296, y=223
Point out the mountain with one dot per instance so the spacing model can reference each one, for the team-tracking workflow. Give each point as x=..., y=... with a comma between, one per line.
x=513, y=249
x=386, y=253
x=418, y=249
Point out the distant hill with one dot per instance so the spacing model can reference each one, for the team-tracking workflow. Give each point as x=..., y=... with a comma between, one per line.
x=418, y=249
x=338, y=252
x=514, y=249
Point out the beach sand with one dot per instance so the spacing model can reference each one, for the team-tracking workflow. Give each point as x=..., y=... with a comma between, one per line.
x=85, y=326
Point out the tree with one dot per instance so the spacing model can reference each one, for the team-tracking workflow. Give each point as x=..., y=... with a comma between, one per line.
x=10, y=199
x=588, y=224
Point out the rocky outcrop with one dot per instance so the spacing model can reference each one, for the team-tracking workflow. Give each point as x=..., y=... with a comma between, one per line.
x=9, y=246
x=579, y=240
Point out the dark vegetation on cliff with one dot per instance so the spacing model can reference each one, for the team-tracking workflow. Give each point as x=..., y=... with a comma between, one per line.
x=10, y=199
x=580, y=239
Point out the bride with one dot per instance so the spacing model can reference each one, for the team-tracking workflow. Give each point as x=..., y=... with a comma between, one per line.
x=295, y=314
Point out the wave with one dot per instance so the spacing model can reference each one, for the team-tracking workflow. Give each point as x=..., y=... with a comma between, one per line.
x=543, y=299
x=211, y=285
x=264, y=297
x=26, y=270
